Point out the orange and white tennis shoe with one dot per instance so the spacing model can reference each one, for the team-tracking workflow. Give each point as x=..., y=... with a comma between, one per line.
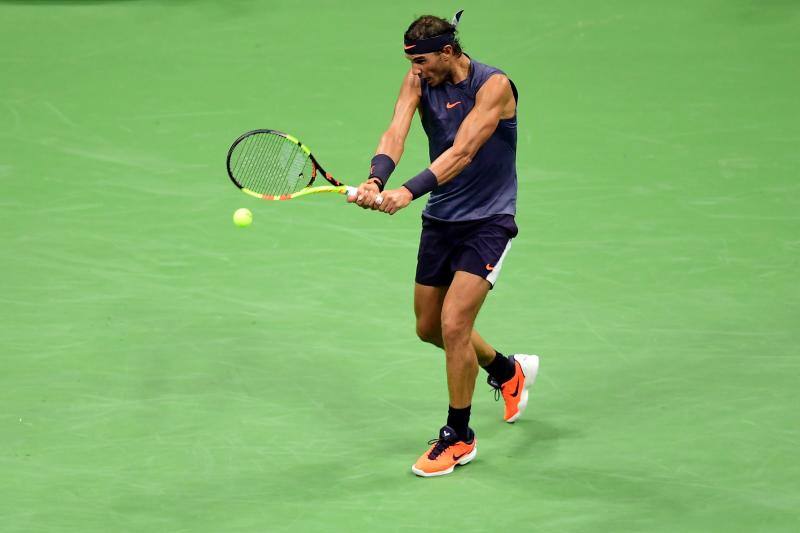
x=515, y=390
x=445, y=453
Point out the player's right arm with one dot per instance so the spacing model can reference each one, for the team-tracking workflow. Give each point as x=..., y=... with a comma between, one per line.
x=393, y=139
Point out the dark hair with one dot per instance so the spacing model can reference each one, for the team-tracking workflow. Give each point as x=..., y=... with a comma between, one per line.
x=428, y=26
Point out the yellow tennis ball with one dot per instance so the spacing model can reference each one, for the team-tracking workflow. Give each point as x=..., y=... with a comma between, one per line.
x=243, y=217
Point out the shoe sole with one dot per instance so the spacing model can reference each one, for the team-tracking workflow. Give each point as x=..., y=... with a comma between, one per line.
x=530, y=368
x=464, y=460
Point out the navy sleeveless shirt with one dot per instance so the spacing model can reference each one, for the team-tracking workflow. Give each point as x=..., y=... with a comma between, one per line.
x=488, y=185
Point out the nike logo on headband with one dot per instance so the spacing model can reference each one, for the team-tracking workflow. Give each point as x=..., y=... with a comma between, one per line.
x=409, y=47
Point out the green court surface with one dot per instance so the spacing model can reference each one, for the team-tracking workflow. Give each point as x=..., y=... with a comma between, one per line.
x=164, y=370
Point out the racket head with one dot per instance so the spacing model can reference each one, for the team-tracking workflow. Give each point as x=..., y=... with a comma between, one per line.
x=270, y=164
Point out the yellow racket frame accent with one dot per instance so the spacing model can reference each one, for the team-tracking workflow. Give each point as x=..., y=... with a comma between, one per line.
x=342, y=189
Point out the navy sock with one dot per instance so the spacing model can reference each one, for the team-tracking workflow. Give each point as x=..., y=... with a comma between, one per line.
x=501, y=368
x=458, y=419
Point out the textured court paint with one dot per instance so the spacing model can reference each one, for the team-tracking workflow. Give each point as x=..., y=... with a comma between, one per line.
x=164, y=371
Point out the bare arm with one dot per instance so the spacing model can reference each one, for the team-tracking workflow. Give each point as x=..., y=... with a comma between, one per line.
x=476, y=128
x=394, y=138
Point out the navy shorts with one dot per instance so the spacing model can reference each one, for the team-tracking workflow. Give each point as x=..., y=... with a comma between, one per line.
x=474, y=246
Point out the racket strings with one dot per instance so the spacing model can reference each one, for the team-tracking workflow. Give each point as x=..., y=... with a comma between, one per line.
x=270, y=164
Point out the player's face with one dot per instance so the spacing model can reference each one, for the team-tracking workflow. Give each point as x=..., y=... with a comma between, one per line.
x=432, y=67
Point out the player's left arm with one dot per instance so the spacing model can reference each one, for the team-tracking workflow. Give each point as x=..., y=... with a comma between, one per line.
x=475, y=130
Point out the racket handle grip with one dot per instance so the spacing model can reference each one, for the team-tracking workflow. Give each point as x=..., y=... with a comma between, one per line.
x=352, y=191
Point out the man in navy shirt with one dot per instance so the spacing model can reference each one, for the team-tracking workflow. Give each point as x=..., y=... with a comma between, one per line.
x=469, y=113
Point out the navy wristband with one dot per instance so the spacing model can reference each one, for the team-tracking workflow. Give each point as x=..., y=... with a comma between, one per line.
x=381, y=167
x=422, y=183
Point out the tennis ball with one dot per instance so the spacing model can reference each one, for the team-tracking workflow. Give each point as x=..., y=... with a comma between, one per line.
x=243, y=217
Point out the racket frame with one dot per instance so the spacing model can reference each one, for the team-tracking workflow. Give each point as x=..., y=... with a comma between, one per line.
x=335, y=185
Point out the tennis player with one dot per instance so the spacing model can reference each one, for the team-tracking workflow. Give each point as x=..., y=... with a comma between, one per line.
x=469, y=112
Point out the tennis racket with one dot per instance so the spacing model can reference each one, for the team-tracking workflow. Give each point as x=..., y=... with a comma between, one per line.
x=273, y=165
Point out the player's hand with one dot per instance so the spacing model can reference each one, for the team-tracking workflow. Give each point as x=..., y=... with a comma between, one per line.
x=365, y=196
x=395, y=200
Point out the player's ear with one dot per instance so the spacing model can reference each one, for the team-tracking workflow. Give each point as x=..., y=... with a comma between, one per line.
x=447, y=52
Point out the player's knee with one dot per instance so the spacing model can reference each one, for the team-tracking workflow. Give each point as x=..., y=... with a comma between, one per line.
x=430, y=333
x=456, y=328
